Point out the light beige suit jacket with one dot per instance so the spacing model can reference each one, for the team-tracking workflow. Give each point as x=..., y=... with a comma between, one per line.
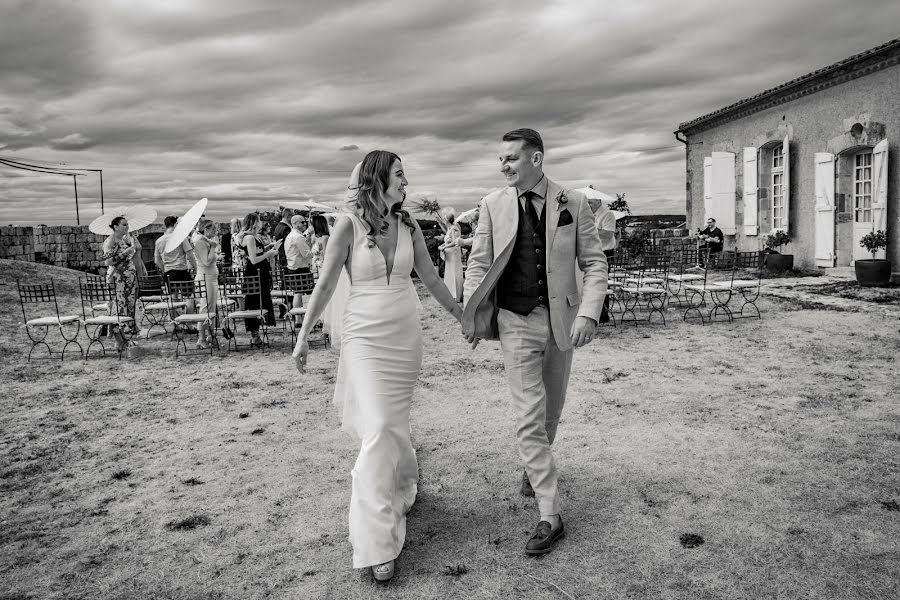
x=498, y=222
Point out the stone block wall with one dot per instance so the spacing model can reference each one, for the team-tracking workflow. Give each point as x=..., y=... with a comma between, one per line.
x=17, y=243
x=70, y=246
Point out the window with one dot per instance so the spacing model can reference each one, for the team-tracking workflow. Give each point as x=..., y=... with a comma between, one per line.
x=862, y=188
x=779, y=207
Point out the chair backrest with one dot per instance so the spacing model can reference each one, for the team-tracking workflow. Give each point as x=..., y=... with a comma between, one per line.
x=656, y=260
x=182, y=291
x=232, y=271
x=249, y=284
x=748, y=260
x=94, y=291
x=37, y=293
x=150, y=285
x=300, y=283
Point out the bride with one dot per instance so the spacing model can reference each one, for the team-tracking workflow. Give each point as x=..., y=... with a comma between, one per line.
x=381, y=351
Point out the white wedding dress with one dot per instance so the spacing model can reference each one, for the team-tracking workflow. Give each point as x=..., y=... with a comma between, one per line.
x=381, y=356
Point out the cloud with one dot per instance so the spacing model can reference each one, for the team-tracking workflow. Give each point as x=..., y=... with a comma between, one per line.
x=73, y=141
x=251, y=104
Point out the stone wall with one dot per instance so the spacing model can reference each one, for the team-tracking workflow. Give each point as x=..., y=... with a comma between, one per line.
x=17, y=243
x=70, y=246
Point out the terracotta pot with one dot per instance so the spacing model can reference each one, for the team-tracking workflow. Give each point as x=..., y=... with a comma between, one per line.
x=873, y=272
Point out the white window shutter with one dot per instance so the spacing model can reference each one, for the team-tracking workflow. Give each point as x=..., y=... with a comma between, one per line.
x=787, y=184
x=707, y=189
x=879, y=185
x=751, y=181
x=825, y=209
x=723, y=186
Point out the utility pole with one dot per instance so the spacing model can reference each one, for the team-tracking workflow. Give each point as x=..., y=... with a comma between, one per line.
x=77, y=214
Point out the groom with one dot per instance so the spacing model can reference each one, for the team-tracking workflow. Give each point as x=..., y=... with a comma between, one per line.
x=520, y=287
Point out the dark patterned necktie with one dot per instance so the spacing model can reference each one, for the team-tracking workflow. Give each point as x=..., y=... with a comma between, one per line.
x=530, y=210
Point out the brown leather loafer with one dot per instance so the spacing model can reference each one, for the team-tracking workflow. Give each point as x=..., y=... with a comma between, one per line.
x=527, y=490
x=544, y=537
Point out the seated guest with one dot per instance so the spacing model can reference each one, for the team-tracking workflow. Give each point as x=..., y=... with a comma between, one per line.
x=711, y=238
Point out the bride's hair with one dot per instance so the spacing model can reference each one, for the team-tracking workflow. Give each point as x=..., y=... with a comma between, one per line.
x=368, y=197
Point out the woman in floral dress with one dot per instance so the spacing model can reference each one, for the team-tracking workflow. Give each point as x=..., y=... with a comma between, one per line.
x=118, y=253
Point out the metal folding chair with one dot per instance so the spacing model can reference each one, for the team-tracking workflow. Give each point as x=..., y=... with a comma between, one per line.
x=646, y=289
x=191, y=295
x=715, y=286
x=97, y=327
x=39, y=320
x=153, y=300
x=251, y=292
x=302, y=284
x=682, y=274
x=747, y=288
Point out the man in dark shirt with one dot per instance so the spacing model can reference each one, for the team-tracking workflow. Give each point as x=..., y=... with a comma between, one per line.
x=281, y=231
x=713, y=239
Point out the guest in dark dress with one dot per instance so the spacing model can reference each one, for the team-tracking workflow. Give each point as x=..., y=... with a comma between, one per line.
x=255, y=257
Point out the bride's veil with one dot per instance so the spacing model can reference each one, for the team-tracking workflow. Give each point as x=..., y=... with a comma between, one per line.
x=333, y=317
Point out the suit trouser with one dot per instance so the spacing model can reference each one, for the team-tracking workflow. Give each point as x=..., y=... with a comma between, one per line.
x=538, y=374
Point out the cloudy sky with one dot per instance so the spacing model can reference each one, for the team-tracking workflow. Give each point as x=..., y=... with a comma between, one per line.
x=252, y=103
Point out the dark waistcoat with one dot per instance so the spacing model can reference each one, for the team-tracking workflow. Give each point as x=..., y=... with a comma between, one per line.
x=523, y=284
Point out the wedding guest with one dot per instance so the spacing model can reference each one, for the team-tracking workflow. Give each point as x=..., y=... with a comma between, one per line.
x=255, y=259
x=297, y=252
x=321, y=233
x=234, y=252
x=452, y=255
x=206, y=249
x=177, y=264
x=296, y=248
x=282, y=229
x=118, y=253
x=710, y=239
x=381, y=351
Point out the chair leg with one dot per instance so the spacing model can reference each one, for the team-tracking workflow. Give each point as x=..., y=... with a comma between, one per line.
x=41, y=341
x=70, y=340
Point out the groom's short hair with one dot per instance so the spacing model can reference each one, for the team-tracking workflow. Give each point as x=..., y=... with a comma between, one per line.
x=531, y=139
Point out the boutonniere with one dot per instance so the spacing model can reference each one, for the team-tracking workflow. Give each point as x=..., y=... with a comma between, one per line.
x=561, y=199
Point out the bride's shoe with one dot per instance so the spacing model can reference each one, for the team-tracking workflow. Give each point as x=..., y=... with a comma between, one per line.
x=383, y=572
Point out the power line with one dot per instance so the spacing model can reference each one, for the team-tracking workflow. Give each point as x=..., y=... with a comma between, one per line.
x=38, y=168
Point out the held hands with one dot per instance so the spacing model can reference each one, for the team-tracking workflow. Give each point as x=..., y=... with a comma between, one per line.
x=583, y=331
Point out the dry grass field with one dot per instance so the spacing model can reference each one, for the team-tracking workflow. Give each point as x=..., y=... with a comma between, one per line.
x=753, y=460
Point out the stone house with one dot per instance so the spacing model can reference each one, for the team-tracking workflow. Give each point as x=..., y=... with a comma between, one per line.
x=816, y=157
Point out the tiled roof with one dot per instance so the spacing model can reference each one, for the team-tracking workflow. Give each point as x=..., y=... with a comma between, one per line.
x=794, y=84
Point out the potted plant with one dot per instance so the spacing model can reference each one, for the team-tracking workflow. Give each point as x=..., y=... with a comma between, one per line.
x=774, y=260
x=874, y=272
